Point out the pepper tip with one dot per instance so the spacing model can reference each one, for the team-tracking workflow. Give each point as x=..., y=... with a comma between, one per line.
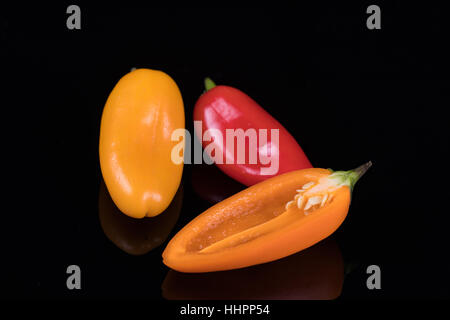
x=363, y=168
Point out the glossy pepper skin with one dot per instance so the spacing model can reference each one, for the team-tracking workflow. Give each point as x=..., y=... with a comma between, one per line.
x=265, y=222
x=224, y=107
x=142, y=111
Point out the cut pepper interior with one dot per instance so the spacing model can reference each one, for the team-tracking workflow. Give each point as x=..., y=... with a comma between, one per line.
x=264, y=222
x=244, y=227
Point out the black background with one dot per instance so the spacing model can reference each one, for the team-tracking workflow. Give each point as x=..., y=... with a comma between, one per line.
x=346, y=93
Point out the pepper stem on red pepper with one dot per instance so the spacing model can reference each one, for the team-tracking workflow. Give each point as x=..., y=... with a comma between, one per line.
x=209, y=84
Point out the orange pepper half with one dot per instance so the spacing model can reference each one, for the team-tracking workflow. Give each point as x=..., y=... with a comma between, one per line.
x=138, y=120
x=265, y=222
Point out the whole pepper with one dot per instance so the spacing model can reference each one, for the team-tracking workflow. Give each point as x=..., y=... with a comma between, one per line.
x=142, y=111
x=226, y=108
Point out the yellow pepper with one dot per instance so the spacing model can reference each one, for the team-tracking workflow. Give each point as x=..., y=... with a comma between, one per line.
x=142, y=111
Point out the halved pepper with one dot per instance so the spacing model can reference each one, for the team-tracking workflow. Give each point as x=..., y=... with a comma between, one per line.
x=265, y=222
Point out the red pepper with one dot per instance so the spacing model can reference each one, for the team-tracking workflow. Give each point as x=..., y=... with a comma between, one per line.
x=223, y=107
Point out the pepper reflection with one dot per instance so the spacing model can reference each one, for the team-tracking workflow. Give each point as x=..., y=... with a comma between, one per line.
x=136, y=236
x=316, y=273
x=212, y=185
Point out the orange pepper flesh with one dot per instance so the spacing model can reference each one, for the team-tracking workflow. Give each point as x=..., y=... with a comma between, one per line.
x=135, y=146
x=261, y=224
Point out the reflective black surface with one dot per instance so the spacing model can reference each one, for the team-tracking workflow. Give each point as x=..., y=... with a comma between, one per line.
x=137, y=236
x=313, y=274
x=347, y=94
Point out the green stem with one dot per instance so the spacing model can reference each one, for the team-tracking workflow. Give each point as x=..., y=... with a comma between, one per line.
x=350, y=177
x=209, y=84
